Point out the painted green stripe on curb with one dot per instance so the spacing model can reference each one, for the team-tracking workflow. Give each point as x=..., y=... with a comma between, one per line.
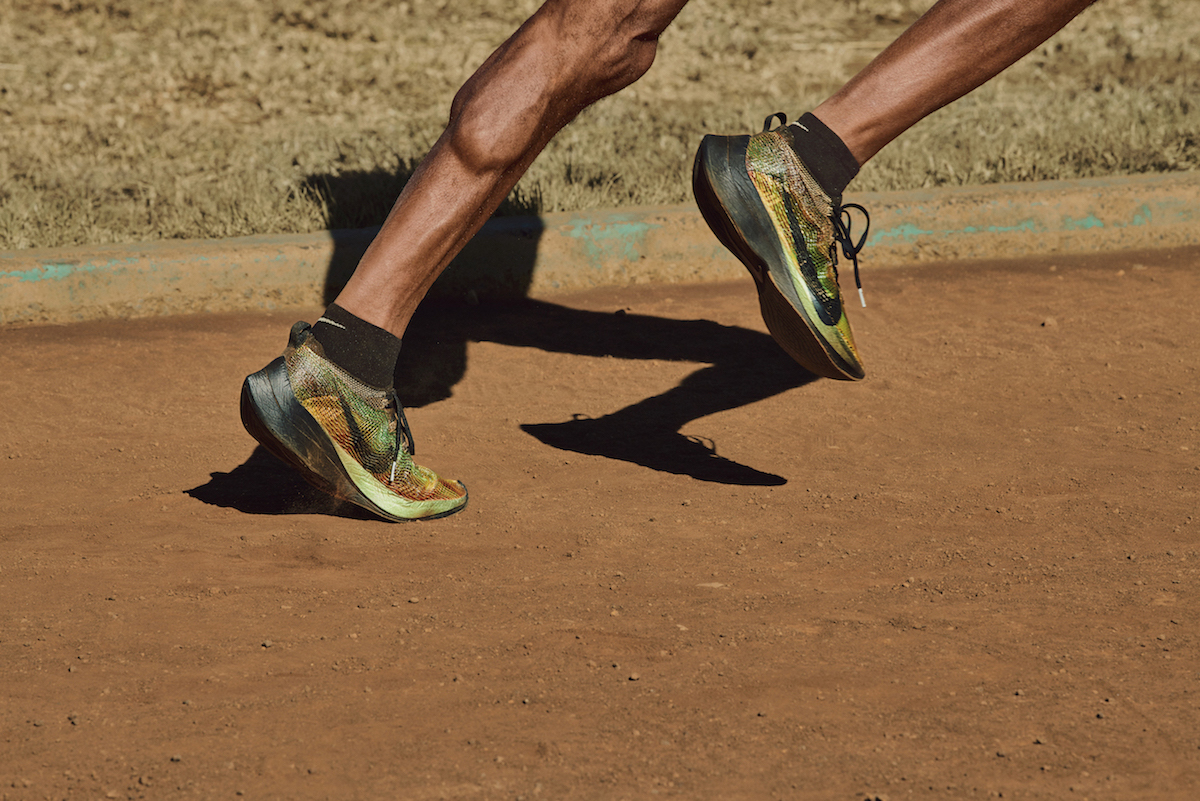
x=570, y=251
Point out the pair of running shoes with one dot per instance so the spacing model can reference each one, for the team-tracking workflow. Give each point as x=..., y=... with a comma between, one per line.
x=352, y=440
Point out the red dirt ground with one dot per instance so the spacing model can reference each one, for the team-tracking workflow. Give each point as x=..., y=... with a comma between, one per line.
x=972, y=575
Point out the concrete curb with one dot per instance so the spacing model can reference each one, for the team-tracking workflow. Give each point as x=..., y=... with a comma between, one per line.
x=540, y=256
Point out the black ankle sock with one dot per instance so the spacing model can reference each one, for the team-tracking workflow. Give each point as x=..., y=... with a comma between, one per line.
x=825, y=155
x=365, y=351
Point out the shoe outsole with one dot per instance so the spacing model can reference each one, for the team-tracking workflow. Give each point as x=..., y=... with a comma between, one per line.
x=730, y=205
x=272, y=415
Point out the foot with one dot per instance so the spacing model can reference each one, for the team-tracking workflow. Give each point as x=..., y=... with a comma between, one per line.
x=347, y=439
x=763, y=203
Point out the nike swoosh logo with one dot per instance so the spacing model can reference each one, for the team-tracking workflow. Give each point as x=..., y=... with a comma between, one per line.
x=828, y=307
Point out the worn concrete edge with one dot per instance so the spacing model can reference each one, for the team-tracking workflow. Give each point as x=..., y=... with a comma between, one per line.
x=539, y=256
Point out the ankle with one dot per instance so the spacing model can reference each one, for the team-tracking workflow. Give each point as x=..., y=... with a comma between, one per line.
x=367, y=352
x=824, y=154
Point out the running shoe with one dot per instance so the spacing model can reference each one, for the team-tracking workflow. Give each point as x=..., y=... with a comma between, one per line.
x=764, y=205
x=348, y=439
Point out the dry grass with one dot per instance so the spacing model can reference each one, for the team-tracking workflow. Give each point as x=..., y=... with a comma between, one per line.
x=131, y=120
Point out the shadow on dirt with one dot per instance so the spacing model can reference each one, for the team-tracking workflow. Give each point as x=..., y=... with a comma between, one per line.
x=495, y=273
x=744, y=367
x=263, y=485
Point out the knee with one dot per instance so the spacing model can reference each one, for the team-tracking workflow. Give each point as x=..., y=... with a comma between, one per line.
x=611, y=45
x=633, y=60
x=567, y=56
x=496, y=119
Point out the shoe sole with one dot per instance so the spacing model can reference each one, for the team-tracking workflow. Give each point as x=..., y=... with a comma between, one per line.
x=731, y=206
x=273, y=416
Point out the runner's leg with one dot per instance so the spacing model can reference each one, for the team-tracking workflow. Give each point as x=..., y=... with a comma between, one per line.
x=957, y=46
x=568, y=55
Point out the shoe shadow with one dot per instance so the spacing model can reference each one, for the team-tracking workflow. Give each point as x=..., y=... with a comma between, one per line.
x=744, y=366
x=263, y=485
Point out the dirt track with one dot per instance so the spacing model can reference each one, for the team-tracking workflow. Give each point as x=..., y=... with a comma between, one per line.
x=973, y=574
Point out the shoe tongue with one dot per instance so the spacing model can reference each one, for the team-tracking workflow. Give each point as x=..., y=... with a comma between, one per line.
x=824, y=154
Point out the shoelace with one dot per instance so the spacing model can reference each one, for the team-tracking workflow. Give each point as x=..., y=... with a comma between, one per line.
x=841, y=225
x=402, y=429
x=851, y=249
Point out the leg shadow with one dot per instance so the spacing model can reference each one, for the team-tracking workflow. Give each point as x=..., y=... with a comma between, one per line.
x=744, y=367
